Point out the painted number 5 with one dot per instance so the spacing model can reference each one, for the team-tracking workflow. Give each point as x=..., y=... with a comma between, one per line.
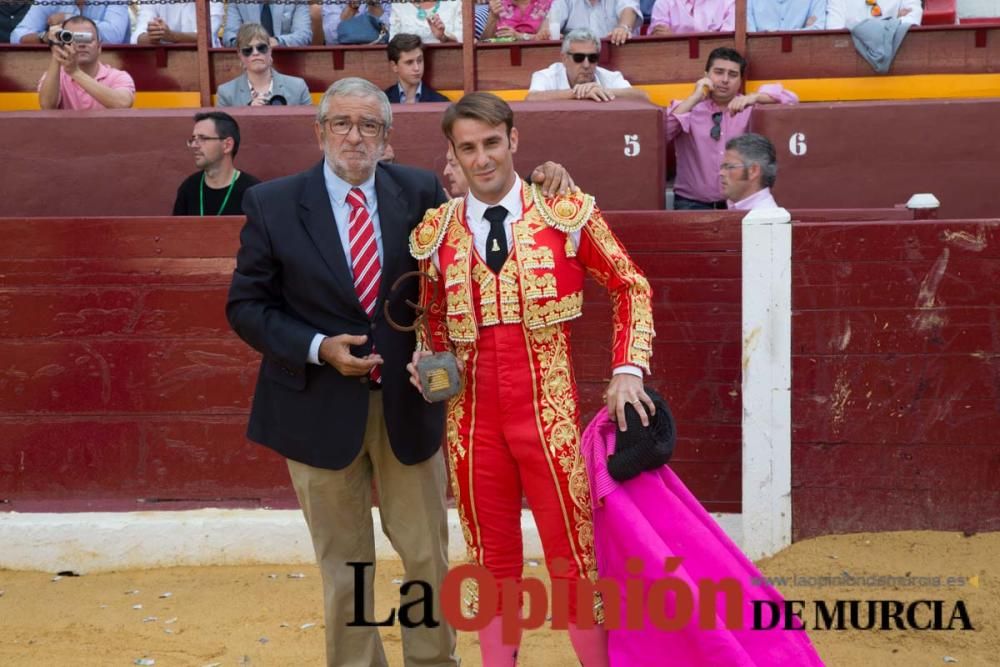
x=797, y=144
x=632, y=146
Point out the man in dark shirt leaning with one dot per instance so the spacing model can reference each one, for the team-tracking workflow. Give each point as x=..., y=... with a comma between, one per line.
x=406, y=57
x=217, y=189
x=11, y=13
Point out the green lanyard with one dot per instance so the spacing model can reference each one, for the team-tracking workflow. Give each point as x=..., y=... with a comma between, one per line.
x=201, y=193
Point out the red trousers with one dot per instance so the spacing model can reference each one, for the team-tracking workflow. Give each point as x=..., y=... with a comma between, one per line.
x=514, y=430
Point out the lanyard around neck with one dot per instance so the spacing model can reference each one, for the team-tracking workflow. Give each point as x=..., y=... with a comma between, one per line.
x=201, y=193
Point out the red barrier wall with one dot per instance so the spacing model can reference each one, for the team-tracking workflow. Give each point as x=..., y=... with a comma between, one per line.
x=122, y=387
x=895, y=376
x=877, y=154
x=103, y=163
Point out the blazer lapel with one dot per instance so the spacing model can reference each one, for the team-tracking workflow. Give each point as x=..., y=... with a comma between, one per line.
x=317, y=217
x=392, y=210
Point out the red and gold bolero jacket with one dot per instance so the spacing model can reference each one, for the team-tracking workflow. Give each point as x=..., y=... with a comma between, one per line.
x=541, y=284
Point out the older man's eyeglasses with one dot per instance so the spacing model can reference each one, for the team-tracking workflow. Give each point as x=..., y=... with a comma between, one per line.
x=342, y=126
x=580, y=57
x=262, y=49
x=729, y=166
x=199, y=139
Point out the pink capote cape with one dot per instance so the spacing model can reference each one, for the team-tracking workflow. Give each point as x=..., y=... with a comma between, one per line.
x=653, y=517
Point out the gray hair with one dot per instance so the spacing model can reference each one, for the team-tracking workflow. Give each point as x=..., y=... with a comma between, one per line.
x=757, y=149
x=353, y=86
x=580, y=35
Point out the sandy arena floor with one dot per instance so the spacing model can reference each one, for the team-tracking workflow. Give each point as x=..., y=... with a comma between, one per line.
x=229, y=616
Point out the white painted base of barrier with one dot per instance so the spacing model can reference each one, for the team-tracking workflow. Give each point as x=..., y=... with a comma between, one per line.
x=106, y=541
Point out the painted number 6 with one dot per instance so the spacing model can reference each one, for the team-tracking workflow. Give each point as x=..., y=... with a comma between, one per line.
x=797, y=144
x=632, y=146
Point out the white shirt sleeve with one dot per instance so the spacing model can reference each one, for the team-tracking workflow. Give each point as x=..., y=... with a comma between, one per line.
x=314, y=350
x=612, y=80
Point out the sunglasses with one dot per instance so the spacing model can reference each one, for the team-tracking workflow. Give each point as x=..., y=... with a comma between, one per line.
x=716, y=130
x=875, y=9
x=262, y=49
x=580, y=57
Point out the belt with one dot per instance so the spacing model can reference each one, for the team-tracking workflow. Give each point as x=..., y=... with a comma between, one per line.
x=718, y=205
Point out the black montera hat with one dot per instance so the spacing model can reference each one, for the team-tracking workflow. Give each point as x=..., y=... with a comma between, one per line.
x=643, y=448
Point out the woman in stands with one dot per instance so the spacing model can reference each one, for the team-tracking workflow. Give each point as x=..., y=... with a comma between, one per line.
x=260, y=84
x=435, y=22
x=518, y=19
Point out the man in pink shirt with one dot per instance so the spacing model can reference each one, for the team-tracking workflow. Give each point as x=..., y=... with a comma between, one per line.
x=675, y=17
x=747, y=173
x=701, y=125
x=77, y=79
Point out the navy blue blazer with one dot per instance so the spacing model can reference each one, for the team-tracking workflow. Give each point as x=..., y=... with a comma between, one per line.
x=427, y=94
x=292, y=280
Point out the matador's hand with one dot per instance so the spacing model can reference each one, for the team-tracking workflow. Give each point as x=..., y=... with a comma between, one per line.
x=623, y=389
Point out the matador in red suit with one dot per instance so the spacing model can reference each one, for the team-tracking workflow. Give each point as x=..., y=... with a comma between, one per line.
x=509, y=265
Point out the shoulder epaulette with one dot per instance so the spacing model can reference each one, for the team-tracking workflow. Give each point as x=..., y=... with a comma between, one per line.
x=428, y=235
x=567, y=213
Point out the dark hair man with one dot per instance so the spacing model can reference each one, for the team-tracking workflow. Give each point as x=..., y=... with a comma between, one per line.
x=76, y=77
x=700, y=126
x=509, y=264
x=217, y=187
x=406, y=57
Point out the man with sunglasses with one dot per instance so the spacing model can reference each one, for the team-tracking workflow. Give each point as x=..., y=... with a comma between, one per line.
x=577, y=76
x=218, y=187
x=700, y=126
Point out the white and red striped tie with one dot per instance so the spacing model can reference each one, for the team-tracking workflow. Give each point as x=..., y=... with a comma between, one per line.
x=364, y=258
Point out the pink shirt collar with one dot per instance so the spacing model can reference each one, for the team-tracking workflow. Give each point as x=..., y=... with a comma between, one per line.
x=759, y=199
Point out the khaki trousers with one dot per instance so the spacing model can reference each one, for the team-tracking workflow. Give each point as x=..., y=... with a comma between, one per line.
x=337, y=507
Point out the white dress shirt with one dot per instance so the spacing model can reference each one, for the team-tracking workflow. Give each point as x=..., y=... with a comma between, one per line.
x=554, y=77
x=337, y=190
x=842, y=14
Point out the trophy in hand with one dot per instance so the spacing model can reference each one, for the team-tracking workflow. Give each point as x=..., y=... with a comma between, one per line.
x=438, y=373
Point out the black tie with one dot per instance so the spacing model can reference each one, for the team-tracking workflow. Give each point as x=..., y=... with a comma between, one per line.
x=266, y=19
x=496, y=242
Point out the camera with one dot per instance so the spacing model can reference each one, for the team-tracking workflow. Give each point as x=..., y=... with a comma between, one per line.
x=278, y=100
x=69, y=37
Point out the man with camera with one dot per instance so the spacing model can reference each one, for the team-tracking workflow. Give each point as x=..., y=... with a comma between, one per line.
x=76, y=77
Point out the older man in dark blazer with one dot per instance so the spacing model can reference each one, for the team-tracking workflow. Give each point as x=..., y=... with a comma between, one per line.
x=319, y=253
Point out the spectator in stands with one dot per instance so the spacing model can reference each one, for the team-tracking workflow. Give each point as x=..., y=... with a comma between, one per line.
x=76, y=77
x=433, y=22
x=288, y=22
x=217, y=187
x=842, y=14
x=260, y=84
x=518, y=19
x=577, y=76
x=675, y=17
x=481, y=17
x=748, y=172
x=615, y=19
x=406, y=57
x=11, y=14
x=335, y=15
x=112, y=21
x=174, y=23
x=701, y=125
x=770, y=16
x=457, y=185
